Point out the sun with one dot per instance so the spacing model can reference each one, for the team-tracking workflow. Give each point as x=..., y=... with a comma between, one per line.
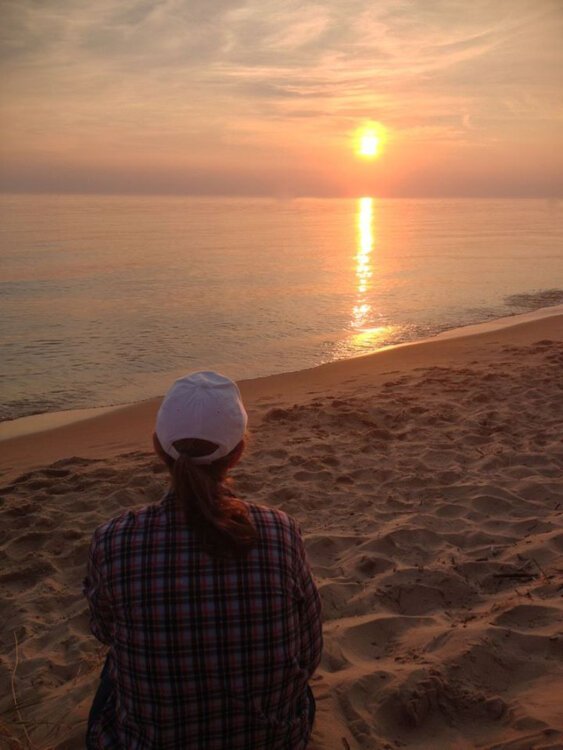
x=369, y=145
x=369, y=140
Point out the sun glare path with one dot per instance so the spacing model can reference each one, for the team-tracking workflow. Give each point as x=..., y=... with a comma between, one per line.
x=364, y=270
x=366, y=335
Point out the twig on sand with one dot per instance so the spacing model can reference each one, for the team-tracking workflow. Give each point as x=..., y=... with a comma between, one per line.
x=528, y=560
x=13, y=686
x=539, y=567
x=77, y=675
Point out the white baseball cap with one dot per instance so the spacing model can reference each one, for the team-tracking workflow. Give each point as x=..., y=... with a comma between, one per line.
x=204, y=405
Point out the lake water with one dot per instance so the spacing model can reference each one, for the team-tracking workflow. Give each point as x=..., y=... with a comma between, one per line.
x=105, y=300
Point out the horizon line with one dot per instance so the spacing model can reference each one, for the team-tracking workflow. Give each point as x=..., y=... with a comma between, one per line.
x=284, y=196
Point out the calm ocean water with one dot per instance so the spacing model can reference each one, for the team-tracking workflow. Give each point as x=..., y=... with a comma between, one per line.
x=104, y=300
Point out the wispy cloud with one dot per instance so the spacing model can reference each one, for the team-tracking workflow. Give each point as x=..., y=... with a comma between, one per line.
x=215, y=81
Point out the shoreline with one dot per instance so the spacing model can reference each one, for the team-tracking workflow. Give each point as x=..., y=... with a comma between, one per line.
x=46, y=421
x=109, y=431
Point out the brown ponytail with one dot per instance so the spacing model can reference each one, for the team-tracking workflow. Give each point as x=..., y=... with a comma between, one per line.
x=220, y=520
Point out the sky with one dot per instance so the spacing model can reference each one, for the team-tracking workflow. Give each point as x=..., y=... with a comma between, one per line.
x=263, y=97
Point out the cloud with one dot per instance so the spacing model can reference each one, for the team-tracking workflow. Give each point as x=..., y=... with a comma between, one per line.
x=196, y=80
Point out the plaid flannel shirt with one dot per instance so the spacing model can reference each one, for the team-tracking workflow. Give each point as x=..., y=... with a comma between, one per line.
x=205, y=652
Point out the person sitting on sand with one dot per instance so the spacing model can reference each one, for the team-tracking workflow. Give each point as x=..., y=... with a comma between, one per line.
x=206, y=602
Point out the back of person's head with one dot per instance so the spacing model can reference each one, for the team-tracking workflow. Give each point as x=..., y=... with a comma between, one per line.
x=200, y=430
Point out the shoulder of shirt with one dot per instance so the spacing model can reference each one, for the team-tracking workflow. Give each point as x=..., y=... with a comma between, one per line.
x=127, y=519
x=264, y=516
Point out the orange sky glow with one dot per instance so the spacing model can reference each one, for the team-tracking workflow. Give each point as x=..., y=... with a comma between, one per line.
x=262, y=97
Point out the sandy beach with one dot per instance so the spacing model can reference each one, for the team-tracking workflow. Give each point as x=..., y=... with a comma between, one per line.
x=427, y=481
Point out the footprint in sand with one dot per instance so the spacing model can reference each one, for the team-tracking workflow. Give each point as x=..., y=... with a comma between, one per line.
x=529, y=617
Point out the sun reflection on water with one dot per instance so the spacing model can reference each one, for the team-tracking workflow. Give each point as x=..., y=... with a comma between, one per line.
x=366, y=334
x=364, y=270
